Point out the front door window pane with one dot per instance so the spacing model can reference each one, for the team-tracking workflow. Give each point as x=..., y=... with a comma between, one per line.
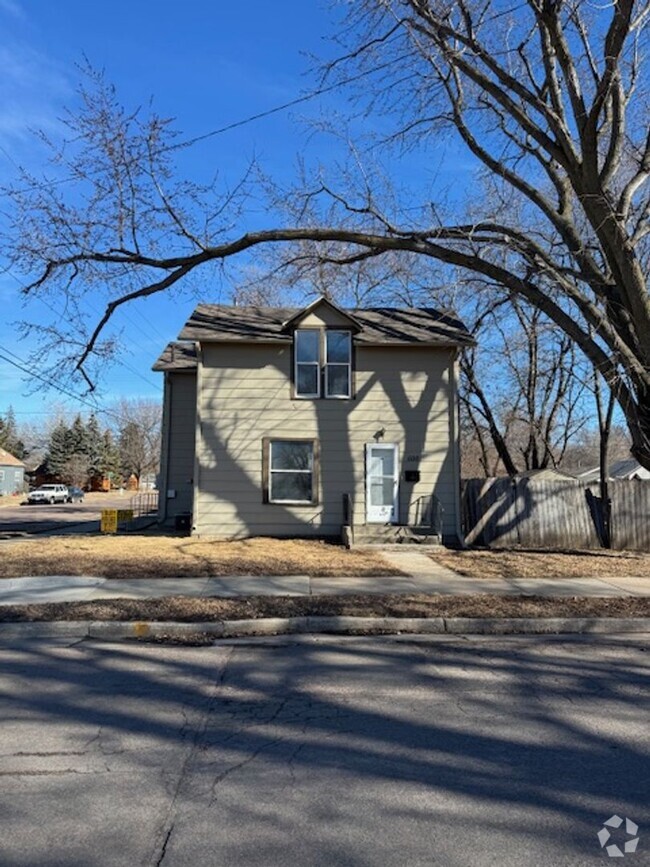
x=382, y=462
x=381, y=492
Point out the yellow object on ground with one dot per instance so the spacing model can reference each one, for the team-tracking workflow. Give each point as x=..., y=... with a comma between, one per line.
x=109, y=521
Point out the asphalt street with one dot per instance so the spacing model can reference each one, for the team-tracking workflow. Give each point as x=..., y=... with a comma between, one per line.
x=17, y=521
x=361, y=752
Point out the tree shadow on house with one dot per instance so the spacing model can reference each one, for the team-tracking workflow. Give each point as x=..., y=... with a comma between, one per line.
x=385, y=407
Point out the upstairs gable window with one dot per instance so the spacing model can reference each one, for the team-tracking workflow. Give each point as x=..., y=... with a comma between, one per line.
x=323, y=363
x=338, y=362
x=307, y=362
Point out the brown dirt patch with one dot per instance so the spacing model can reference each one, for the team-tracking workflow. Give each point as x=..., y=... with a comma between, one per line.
x=187, y=610
x=545, y=564
x=161, y=556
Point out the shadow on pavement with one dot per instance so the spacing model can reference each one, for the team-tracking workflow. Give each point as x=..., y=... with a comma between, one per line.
x=332, y=752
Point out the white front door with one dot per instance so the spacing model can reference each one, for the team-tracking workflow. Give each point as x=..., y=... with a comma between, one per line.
x=382, y=475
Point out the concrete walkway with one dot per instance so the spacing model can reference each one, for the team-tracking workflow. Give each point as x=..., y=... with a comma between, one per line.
x=423, y=576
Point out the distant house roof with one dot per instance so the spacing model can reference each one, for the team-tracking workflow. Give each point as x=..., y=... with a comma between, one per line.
x=378, y=325
x=627, y=468
x=8, y=460
x=547, y=474
x=177, y=357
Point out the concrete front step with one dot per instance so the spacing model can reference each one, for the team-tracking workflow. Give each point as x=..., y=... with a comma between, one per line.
x=389, y=534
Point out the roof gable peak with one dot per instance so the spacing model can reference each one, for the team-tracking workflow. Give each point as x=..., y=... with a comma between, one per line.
x=316, y=305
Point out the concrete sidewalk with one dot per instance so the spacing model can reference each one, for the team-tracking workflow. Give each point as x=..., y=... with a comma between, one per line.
x=63, y=588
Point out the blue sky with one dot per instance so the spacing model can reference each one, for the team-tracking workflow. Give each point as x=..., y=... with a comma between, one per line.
x=204, y=64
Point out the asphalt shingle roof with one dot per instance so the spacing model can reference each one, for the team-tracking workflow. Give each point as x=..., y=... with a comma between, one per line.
x=177, y=356
x=8, y=460
x=380, y=325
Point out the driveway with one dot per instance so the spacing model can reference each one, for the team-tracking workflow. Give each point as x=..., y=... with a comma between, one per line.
x=357, y=752
x=17, y=521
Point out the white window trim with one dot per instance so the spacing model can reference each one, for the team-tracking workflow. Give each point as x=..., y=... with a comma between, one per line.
x=297, y=364
x=322, y=365
x=347, y=364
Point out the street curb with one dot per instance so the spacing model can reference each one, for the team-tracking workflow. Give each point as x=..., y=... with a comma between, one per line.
x=115, y=630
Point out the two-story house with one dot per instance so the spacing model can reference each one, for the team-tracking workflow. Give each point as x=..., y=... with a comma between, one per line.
x=298, y=422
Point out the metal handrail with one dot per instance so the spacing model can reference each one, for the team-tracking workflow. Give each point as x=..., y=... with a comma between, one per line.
x=348, y=510
x=428, y=512
x=144, y=503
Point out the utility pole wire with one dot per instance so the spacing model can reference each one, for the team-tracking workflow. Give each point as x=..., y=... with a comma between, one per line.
x=220, y=130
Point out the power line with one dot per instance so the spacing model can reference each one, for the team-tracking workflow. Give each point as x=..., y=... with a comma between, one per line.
x=297, y=101
x=20, y=365
x=120, y=361
x=228, y=127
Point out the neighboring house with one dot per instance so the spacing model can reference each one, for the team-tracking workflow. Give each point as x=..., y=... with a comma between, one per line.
x=628, y=468
x=274, y=417
x=40, y=475
x=548, y=474
x=12, y=474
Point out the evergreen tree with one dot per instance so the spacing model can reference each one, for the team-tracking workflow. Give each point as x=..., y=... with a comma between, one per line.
x=59, y=449
x=78, y=437
x=94, y=447
x=110, y=465
x=9, y=439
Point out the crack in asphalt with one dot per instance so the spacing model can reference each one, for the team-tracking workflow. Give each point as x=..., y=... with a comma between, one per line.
x=163, y=849
x=59, y=773
x=236, y=767
x=166, y=828
x=23, y=754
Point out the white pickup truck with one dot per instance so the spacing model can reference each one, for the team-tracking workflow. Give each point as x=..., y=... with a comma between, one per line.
x=49, y=494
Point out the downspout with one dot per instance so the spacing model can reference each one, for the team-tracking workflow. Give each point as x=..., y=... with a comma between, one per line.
x=167, y=422
x=198, y=442
x=454, y=429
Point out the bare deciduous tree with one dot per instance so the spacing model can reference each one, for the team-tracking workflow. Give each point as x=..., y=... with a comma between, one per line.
x=531, y=408
x=549, y=99
x=137, y=431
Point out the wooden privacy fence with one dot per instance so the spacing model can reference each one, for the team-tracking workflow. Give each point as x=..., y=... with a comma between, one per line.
x=554, y=514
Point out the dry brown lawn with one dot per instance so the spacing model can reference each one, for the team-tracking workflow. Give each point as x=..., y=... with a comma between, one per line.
x=545, y=564
x=161, y=556
x=187, y=610
x=11, y=500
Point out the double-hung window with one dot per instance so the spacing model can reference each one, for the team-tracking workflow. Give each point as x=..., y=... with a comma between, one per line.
x=307, y=350
x=323, y=363
x=290, y=470
x=338, y=363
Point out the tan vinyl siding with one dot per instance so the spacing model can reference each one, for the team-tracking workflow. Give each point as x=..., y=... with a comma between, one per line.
x=246, y=395
x=323, y=317
x=180, y=431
